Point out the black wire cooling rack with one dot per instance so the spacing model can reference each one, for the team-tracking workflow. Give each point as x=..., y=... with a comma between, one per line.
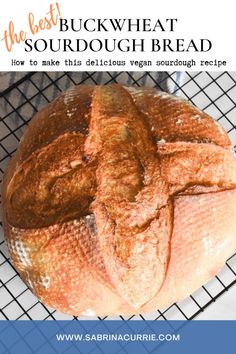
x=215, y=93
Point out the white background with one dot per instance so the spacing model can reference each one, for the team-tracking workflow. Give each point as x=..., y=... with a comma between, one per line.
x=196, y=19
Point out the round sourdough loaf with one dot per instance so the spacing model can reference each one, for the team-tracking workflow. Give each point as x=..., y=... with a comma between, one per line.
x=119, y=200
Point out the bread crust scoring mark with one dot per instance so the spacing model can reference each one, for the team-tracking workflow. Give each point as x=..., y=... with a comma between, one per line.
x=120, y=184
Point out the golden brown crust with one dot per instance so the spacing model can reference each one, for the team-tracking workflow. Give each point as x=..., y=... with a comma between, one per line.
x=67, y=113
x=94, y=197
x=173, y=119
x=45, y=188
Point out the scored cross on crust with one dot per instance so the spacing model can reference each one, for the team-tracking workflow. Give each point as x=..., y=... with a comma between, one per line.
x=105, y=195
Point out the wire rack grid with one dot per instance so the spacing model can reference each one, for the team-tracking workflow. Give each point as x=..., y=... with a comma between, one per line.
x=215, y=93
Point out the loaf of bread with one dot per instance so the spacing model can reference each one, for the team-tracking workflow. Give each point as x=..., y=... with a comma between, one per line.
x=119, y=201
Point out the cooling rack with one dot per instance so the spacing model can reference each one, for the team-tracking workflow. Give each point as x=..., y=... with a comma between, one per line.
x=215, y=93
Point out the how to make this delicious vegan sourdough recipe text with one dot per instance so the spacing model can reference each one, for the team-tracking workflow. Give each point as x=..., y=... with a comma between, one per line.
x=119, y=200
